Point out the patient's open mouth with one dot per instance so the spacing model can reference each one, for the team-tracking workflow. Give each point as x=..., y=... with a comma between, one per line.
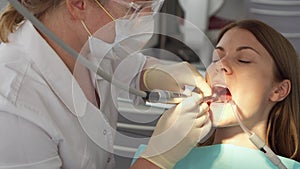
x=222, y=94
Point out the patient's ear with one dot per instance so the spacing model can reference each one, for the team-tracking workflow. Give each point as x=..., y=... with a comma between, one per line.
x=280, y=91
x=77, y=8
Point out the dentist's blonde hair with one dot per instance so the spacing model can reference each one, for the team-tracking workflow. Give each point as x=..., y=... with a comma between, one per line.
x=283, y=126
x=10, y=18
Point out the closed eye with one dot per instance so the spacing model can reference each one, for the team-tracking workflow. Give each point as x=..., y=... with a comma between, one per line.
x=244, y=61
x=215, y=60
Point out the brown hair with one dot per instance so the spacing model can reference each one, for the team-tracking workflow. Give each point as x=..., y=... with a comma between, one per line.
x=283, y=122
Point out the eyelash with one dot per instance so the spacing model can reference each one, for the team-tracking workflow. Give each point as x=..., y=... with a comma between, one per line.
x=215, y=61
x=243, y=61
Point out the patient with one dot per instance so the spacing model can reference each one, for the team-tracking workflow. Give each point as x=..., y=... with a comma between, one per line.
x=261, y=71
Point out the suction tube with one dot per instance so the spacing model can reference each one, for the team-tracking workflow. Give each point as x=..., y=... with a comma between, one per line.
x=257, y=141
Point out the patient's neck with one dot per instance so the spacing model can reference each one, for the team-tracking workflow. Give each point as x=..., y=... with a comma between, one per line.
x=232, y=135
x=236, y=136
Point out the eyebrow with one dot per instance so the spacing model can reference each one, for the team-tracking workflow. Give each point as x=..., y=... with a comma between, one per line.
x=247, y=47
x=239, y=48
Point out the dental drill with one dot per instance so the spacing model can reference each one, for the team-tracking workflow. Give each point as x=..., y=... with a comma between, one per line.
x=164, y=96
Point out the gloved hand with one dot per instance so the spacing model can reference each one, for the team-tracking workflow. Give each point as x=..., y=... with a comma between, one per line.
x=174, y=77
x=178, y=131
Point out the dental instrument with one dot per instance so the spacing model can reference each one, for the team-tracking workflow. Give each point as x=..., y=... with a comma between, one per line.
x=164, y=96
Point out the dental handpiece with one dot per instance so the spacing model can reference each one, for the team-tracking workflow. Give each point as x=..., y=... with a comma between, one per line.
x=169, y=97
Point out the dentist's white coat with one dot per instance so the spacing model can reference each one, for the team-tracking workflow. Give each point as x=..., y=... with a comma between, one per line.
x=46, y=121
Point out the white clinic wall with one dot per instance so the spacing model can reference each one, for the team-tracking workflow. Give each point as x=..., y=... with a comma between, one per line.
x=233, y=9
x=282, y=15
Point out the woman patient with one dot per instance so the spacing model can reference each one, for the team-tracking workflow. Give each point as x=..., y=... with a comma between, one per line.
x=261, y=71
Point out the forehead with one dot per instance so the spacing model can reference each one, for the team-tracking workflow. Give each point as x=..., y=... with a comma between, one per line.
x=237, y=37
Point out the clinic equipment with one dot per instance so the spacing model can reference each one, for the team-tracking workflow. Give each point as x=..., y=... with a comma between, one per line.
x=163, y=96
x=219, y=94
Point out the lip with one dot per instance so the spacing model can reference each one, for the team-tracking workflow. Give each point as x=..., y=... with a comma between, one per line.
x=218, y=83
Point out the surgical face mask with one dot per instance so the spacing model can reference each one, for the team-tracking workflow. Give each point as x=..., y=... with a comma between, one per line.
x=134, y=34
x=132, y=31
x=131, y=35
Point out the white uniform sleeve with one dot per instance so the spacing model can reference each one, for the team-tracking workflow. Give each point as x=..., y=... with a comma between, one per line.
x=24, y=145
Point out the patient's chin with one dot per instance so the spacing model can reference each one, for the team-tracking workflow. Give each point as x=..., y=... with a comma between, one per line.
x=225, y=124
x=222, y=115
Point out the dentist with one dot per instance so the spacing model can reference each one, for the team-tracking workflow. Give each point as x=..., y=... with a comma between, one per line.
x=53, y=111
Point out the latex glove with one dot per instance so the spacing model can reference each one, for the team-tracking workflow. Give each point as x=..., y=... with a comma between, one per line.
x=174, y=78
x=178, y=131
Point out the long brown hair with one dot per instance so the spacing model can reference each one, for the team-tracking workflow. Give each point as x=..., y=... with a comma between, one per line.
x=283, y=122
